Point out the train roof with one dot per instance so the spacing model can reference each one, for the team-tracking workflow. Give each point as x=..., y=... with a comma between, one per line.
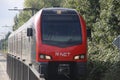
x=57, y=9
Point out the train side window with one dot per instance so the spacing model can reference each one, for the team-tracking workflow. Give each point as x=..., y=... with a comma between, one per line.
x=29, y=32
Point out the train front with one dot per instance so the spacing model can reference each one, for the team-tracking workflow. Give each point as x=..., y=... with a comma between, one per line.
x=61, y=44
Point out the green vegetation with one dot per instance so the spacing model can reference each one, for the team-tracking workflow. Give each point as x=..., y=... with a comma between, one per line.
x=103, y=17
x=4, y=43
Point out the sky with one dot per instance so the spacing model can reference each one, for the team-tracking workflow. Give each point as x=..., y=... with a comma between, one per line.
x=7, y=16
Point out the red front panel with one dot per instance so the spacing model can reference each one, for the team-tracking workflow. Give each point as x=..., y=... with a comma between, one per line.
x=62, y=54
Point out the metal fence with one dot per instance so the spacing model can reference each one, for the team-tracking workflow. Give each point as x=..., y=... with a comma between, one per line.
x=18, y=70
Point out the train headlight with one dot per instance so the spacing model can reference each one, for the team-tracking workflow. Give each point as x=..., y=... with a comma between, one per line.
x=48, y=57
x=78, y=57
x=43, y=56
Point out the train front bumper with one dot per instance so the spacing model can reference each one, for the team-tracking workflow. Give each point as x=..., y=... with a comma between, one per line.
x=56, y=69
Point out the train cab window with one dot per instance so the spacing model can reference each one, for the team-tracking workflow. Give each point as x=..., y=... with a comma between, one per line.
x=61, y=29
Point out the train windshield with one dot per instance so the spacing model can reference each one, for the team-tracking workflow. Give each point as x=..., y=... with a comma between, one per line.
x=61, y=30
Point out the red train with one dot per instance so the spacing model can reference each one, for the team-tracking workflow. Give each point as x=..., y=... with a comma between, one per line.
x=55, y=41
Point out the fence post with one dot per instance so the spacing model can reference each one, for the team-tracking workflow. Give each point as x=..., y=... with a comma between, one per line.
x=25, y=73
x=22, y=69
x=8, y=65
x=15, y=68
x=12, y=68
x=30, y=65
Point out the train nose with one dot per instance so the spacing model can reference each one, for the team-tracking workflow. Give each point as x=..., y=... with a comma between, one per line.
x=63, y=69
